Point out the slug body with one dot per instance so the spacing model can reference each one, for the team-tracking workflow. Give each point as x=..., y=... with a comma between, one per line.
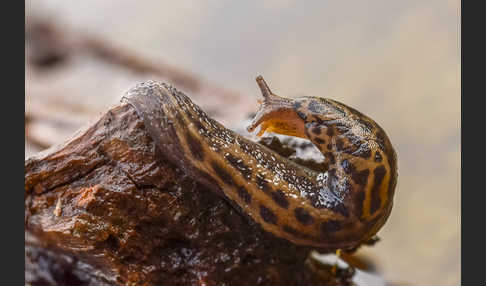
x=336, y=209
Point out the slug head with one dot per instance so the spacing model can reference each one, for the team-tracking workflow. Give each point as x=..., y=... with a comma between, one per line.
x=276, y=114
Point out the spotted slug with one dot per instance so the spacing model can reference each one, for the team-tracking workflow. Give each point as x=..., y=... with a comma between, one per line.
x=340, y=208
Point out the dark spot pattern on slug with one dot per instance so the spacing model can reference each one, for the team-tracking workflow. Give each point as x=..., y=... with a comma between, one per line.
x=195, y=146
x=330, y=226
x=222, y=174
x=290, y=230
x=267, y=215
x=279, y=197
x=243, y=193
x=378, y=157
x=330, y=157
x=342, y=128
x=318, y=120
x=364, y=151
x=353, y=146
x=239, y=165
x=301, y=115
x=330, y=131
x=263, y=184
x=381, y=140
x=339, y=145
x=358, y=203
x=208, y=178
x=360, y=177
x=341, y=209
x=296, y=233
x=319, y=141
x=303, y=216
x=379, y=174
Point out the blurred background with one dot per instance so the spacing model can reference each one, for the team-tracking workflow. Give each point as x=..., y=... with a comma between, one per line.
x=396, y=61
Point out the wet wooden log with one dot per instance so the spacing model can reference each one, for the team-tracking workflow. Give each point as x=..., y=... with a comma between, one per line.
x=105, y=208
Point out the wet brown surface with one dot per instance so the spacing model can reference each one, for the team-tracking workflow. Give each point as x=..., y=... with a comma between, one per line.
x=107, y=208
x=398, y=63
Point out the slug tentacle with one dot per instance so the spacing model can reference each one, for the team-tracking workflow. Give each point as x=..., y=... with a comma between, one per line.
x=276, y=114
x=336, y=209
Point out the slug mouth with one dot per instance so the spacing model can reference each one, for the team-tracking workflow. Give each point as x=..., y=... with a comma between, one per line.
x=276, y=114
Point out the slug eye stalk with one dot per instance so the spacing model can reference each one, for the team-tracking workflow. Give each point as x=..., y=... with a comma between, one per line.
x=276, y=114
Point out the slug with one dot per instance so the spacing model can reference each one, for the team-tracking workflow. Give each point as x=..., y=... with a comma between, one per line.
x=340, y=208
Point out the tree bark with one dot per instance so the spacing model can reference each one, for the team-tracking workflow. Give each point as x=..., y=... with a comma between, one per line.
x=105, y=208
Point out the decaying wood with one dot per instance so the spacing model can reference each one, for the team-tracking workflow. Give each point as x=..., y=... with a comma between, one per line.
x=105, y=208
